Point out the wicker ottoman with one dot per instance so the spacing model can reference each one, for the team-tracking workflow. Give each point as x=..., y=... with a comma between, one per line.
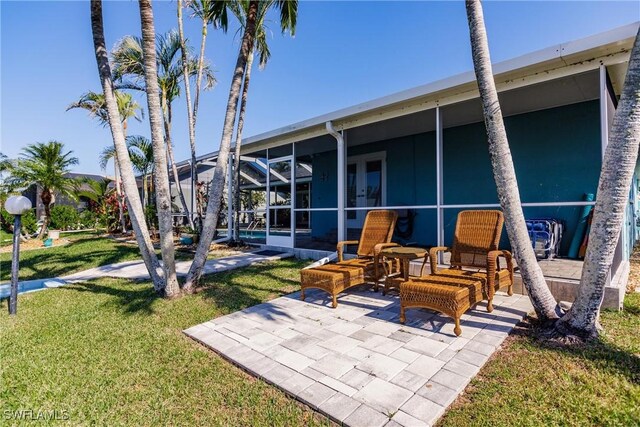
x=332, y=278
x=444, y=294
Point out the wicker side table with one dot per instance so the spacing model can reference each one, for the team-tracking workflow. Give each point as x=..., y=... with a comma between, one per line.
x=404, y=254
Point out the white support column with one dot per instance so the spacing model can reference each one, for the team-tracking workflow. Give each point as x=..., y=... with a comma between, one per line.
x=293, y=194
x=604, y=119
x=439, y=180
x=341, y=173
x=230, y=198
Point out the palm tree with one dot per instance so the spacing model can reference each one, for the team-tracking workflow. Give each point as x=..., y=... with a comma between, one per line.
x=261, y=45
x=97, y=192
x=288, y=16
x=46, y=165
x=207, y=11
x=128, y=108
x=141, y=151
x=163, y=190
x=141, y=154
x=618, y=166
x=504, y=172
x=136, y=213
x=129, y=68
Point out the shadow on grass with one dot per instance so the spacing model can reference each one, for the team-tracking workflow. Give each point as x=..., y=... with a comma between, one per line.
x=78, y=255
x=249, y=286
x=130, y=300
x=230, y=291
x=605, y=355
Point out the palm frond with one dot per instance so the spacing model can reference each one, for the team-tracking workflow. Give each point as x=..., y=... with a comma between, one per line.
x=105, y=155
x=47, y=165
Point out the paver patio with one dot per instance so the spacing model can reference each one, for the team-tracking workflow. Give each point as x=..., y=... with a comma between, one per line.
x=357, y=364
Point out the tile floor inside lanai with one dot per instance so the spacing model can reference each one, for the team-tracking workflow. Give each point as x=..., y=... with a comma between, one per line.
x=357, y=364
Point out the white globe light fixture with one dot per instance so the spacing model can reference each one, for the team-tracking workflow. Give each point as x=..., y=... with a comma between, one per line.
x=16, y=205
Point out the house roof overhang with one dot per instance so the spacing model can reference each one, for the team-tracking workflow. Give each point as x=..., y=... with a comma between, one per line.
x=611, y=49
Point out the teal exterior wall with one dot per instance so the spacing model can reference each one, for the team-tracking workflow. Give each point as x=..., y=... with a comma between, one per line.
x=556, y=153
x=411, y=180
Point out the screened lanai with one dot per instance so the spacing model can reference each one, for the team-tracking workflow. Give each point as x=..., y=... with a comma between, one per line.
x=423, y=152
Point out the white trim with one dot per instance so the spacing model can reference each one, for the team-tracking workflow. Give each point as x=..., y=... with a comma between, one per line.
x=316, y=209
x=373, y=208
x=462, y=206
x=361, y=160
x=250, y=179
x=604, y=109
x=439, y=177
x=292, y=213
x=276, y=174
x=341, y=151
x=538, y=204
x=275, y=240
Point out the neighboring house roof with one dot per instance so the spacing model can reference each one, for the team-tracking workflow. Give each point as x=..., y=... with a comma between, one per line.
x=91, y=176
x=611, y=48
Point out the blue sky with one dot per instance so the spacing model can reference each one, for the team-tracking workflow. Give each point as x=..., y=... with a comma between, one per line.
x=343, y=53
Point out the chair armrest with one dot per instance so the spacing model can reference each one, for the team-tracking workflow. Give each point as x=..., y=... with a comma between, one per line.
x=380, y=246
x=433, y=258
x=341, y=245
x=493, y=265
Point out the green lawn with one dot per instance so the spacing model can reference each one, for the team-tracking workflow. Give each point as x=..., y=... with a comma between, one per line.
x=86, y=250
x=529, y=383
x=111, y=353
x=5, y=238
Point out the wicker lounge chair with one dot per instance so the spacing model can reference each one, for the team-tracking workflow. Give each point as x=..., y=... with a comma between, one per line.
x=366, y=267
x=474, y=273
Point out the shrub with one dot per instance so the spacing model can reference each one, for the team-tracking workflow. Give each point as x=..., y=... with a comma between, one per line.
x=64, y=217
x=88, y=219
x=28, y=222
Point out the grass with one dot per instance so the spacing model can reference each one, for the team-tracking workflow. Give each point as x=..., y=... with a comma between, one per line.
x=532, y=383
x=86, y=250
x=111, y=352
x=5, y=238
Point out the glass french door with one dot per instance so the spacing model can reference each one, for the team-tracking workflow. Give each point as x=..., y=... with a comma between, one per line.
x=279, y=202
x=365, y=186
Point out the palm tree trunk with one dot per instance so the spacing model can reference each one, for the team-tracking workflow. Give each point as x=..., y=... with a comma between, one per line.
x=119, y=195
x=190, y=118
x=616, y=176
x=504, y=172
x=163, y=195
x=46, y=197
x=236, y=153
x=220, y=171
x=128, y=178
x=172, y=162
x=196, y=101
x=116, y=171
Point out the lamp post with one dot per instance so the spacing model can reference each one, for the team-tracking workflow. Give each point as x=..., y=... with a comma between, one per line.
x=16, y=205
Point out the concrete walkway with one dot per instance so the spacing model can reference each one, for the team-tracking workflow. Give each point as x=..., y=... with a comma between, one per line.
x=136, y=270
x=357, y=364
